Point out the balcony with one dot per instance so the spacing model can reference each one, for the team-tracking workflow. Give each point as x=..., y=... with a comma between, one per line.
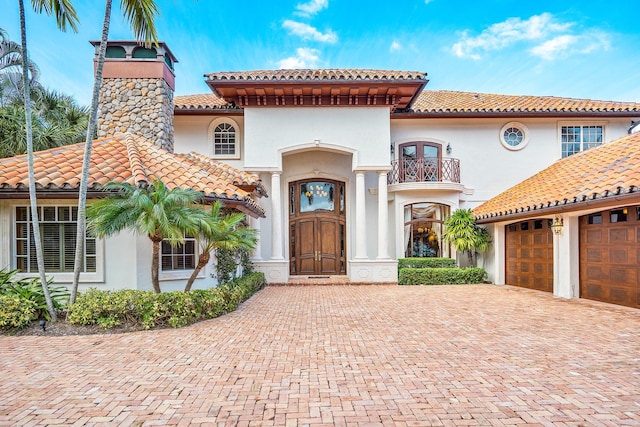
x=428, y=169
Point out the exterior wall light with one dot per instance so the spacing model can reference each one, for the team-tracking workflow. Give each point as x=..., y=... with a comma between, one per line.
x=557, y=225
x=448, y=148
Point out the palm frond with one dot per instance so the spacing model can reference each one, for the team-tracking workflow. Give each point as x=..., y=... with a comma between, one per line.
x=141, y=15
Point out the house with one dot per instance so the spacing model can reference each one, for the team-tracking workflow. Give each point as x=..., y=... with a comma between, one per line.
x=573, y=228
x=361, y=167
x=124, y=260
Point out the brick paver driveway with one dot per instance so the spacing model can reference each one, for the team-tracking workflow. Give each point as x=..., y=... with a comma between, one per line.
x=343, y=355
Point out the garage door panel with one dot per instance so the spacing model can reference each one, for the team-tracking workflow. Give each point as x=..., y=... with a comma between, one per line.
x=618, y=256
x=593, y=273
x=619, y=295
x=610, y=257
x=594, y=254
x=594, y=236
x=593, y=291
x=617, y=235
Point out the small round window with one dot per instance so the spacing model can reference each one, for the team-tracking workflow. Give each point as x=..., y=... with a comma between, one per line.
x=514, y=136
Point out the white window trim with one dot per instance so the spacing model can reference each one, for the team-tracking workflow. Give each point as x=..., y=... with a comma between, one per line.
x=166, y=275
x=525, y=140
x=580, y=123
x=211, y=131
x=59, y=278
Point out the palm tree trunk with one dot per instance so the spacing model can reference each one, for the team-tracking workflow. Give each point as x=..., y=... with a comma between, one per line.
x=203, y=259
x=32, y=180
x=86, y=162
x=155, y=266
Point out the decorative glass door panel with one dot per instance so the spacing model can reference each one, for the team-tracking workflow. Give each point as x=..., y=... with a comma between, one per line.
x=420, y=162
x=316, y=195
x=318, y=246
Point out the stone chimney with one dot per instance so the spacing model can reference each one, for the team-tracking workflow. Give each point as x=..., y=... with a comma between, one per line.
x=137, y=91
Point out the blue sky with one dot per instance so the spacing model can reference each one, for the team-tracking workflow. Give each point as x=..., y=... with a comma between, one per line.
x=580, y=49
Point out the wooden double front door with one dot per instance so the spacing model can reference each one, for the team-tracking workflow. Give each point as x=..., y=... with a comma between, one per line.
x=317, y=232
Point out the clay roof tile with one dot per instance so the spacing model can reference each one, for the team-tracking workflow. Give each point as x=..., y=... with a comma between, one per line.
x=610, y=169
x=122, y=158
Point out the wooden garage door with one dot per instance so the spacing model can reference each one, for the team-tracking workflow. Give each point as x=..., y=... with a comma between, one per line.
x=529, y=253
x=610, y=256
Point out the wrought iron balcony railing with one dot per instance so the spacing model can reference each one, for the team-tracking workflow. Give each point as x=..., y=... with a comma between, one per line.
x=429, y=169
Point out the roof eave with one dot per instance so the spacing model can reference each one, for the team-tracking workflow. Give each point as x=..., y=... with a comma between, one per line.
x=195, y=111
x=596, y=201
x=497, y=114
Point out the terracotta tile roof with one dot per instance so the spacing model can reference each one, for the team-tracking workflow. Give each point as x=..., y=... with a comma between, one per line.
x=204, y=101
x=122, y=158
x=610, y=170
x=446, y=102
x=223, y=171
x=318, y=74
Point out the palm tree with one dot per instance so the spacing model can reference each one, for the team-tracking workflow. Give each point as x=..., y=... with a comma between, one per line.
x=11, y=85
x=56, y=120
x=222, y=232
x=65, y=14
x=153, y=211
x=140, y=14
x=465, y=235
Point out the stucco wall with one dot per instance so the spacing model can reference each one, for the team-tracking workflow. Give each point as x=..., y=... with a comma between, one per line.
x=487, y=167
x=192, y=134
x=268, y=130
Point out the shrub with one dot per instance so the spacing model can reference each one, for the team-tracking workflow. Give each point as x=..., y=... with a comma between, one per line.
x=426, y=263
x=146, y=309
x=31, y=289
x=16, y=312
x=441, y=276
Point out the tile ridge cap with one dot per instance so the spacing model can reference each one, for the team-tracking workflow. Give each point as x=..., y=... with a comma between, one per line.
x=138, y=174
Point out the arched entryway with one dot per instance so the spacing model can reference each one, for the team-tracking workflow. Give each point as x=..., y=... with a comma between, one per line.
x=317, y=231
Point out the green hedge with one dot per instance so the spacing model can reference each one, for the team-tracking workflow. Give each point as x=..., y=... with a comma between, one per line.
x=441, y=276
x=146, y=309
x=426, y=263
x=16, y=312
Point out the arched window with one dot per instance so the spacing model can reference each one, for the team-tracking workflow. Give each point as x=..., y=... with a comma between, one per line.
x=225, y=140
x=144, y=53
x=115, y=52
x=423, y=229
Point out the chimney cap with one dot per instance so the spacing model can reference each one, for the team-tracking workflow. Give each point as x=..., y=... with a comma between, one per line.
x=129, y=45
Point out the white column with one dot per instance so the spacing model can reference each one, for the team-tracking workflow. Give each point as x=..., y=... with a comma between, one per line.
x=566, y=259
x=257, y=252
x=361, y=217
x=383, y=217
x=496, y=265
x=276, y=217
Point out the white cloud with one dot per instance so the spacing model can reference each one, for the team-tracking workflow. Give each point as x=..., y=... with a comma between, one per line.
x=305, y=58
x=312, y=7
x=555, y=47
x=503, y=34
x=568, y=44
x=395, y=46
x=308, y=32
